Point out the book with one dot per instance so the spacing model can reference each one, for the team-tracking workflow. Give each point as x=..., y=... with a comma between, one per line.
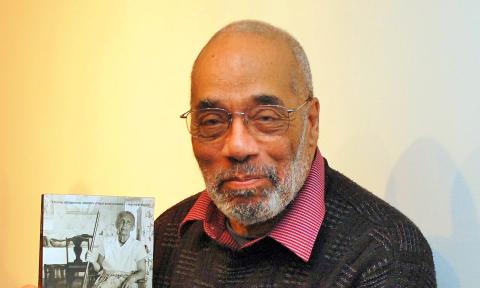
x=87, y=240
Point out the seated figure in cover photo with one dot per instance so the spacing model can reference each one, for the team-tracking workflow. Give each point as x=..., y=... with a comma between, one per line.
x=120, y=259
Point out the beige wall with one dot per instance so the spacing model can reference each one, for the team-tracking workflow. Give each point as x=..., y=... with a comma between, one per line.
x=90, y=93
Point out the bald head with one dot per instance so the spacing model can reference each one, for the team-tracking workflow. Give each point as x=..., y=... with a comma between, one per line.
x=300, y=75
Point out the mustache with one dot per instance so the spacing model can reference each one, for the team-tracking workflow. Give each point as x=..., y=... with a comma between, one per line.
x=246, y=170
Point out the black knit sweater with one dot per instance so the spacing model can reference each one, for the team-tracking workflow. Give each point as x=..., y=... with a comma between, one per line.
x=363, y=242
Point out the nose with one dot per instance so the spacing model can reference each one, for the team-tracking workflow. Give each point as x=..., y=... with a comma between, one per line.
x=239, y=144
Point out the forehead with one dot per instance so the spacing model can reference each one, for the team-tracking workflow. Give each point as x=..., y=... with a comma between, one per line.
x=126, y=217
x=243, y=69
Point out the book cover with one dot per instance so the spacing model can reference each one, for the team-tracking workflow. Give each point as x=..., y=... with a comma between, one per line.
x=96, y=241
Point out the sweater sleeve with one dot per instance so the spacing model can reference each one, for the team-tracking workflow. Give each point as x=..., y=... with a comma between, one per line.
x=398, y=256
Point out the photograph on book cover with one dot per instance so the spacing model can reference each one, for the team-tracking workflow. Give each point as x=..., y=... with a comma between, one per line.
x=96, y=241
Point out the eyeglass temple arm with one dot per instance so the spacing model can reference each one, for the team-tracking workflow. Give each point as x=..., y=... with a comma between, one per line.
x=304, y=103
x=184, y=115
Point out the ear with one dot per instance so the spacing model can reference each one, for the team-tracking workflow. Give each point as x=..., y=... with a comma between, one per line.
x=313, y=122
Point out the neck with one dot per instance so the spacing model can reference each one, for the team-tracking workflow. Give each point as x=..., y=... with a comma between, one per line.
x=123, y=238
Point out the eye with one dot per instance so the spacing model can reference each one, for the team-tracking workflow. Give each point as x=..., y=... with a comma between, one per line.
x=266, y=115
x=210, y=120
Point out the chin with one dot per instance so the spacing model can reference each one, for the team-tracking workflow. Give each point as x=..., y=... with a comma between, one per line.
x=249, y=210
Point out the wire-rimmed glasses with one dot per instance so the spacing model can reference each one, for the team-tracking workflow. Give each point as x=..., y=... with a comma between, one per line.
x=211, y=123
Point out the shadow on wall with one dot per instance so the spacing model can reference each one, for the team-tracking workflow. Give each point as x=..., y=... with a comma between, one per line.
x=437, y=195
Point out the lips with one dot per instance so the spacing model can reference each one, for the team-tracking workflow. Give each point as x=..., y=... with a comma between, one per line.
x=244, y=182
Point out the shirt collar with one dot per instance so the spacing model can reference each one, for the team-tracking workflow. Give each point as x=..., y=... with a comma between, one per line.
x=298, y=228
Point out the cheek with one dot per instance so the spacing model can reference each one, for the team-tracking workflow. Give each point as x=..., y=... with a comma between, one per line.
x=277, y=151
x=281, y=154
x=206, y=154
x=283, y=150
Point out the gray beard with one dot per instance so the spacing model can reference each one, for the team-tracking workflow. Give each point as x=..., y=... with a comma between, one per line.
x=278, y=196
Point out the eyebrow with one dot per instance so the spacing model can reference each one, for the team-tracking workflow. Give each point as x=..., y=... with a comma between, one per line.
x=206, y=103
x=262, y=99
x=267, y=100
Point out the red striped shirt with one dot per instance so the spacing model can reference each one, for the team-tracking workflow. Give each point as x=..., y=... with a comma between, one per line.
x=298, y=228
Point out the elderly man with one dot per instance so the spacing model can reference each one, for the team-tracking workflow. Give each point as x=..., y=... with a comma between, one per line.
x=274, y=214
x=121, y=258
